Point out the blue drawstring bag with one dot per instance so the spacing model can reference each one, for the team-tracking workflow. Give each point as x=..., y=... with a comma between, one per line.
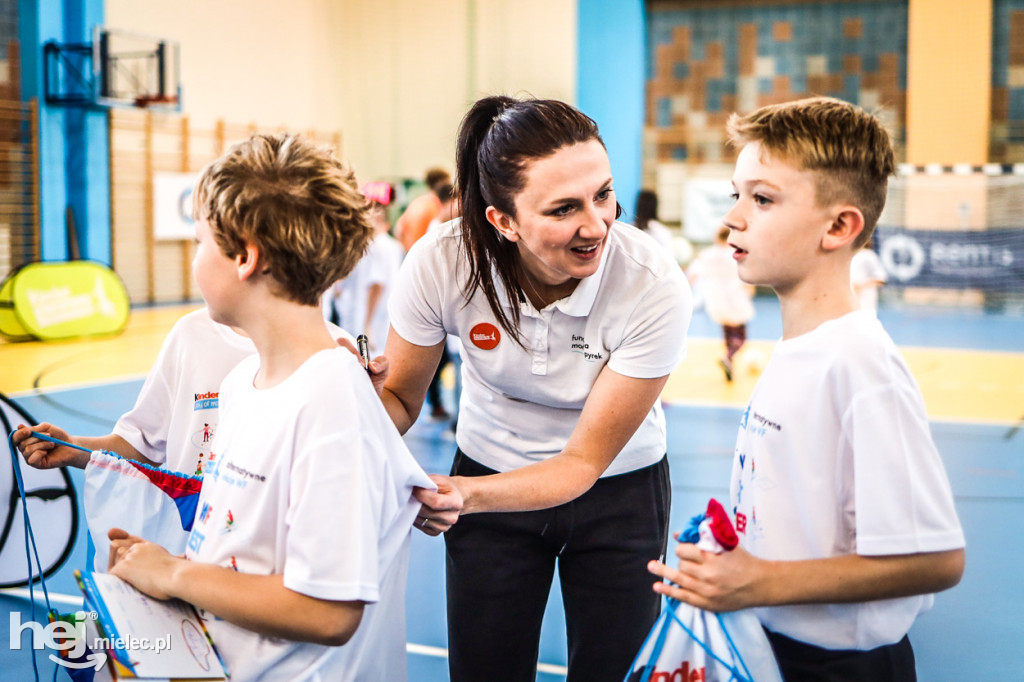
x=688, y=644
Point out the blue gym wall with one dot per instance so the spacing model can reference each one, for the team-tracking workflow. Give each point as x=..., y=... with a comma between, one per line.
x=74, y=165
x=610, y=85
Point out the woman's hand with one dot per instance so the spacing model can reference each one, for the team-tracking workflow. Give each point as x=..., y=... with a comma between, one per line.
x=441, y=507
x=379, y=366
x=379, y=370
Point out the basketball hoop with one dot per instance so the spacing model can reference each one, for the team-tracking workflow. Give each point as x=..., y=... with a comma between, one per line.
x=147, y=101
x=118, y=69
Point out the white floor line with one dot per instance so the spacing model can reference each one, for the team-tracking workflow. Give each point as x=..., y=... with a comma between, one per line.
x=421, y=649
x=55, y=597
x=438, y=652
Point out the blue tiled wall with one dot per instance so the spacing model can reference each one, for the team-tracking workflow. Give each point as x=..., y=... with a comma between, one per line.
x=787, y=34
x=1007, y=92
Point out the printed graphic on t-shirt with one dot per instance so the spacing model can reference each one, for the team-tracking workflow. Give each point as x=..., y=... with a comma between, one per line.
x=753, y=425
x=202, y=437
x=748, y=524
x=757, y=424
x=195, y=540
x=203, y=463
x=206, y=401
x=749, y=482
x=579, y=345
x=240, y=477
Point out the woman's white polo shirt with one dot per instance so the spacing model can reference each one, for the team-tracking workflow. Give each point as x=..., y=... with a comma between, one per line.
x=520, y=405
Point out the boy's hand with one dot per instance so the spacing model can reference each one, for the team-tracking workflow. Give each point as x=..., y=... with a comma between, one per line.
x=143, y=564
x=379, y=366
x=441, y=507
x=42, y=454
x=714, y=582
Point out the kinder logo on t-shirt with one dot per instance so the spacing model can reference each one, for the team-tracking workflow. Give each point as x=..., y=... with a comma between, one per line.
x=485, y=336
x=205, y=401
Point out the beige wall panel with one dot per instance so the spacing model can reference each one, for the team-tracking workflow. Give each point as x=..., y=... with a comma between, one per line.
x=247, y=59
x=949, y=65
x=168, y=280
x=527, y=47
x=945, y=202
x=404, y=84
x=395, y=76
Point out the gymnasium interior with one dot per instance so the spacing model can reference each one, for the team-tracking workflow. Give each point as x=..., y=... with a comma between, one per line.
x=110, y=108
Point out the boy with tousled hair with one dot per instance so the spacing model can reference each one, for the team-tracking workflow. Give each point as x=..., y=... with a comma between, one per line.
x=301, y=542
x=844, y=511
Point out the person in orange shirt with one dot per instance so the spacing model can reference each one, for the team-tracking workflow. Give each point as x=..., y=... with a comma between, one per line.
x=413, y=223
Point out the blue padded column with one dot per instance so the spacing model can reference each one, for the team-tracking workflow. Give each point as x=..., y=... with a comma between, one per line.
x=74, y=160
x=610, y=85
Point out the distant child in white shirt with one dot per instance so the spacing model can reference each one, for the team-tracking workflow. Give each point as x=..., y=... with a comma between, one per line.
x=728, y=300
x=867, y=276
x=840, y=499
x=300, y=548
x=362, y=297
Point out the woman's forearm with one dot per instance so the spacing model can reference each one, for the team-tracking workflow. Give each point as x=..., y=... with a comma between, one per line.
x=545, y=484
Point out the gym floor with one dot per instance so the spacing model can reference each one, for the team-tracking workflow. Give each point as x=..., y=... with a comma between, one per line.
x=969, y=364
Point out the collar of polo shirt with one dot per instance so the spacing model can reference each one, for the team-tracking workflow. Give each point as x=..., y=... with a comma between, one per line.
x=577, y=304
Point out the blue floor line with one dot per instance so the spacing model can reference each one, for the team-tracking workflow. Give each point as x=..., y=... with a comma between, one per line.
x=974, y=630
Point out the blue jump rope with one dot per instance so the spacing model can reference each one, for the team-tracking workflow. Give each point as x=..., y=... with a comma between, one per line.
x=30, y=540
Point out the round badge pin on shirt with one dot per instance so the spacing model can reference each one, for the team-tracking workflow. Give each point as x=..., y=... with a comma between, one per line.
x=485, y=336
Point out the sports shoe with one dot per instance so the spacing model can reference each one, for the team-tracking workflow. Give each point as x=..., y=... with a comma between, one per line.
x=726, y=365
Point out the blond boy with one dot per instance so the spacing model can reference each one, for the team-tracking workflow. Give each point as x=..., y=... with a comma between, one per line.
x=845, y=515
x=300, y=547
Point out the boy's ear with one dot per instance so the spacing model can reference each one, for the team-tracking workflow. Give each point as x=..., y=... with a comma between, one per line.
x=502, y=223
x=246, y=262
x=847, y=224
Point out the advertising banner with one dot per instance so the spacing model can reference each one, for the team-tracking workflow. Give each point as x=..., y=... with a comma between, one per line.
x=705, y=203
x=172, y=206
x=50, y=301
x=990, y=260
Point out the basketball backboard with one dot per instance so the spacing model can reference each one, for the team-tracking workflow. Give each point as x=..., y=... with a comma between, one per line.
x=118, y=68
x=136, y=70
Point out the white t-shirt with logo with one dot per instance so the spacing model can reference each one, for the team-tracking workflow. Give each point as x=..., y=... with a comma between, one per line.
x=834, y=456
x=175, y=415
x=310, y=480
x=520, y=405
